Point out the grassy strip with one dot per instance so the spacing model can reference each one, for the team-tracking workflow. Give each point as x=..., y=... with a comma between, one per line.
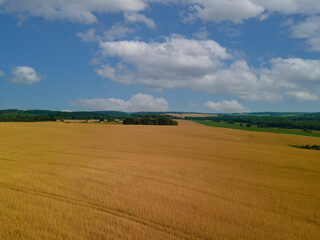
x=256, y=129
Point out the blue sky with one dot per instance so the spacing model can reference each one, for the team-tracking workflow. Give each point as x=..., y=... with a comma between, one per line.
x=152, y=55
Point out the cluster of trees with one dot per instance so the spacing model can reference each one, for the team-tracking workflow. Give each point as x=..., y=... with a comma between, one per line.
x=300, y=121
x=313, y=147
x=150, y=121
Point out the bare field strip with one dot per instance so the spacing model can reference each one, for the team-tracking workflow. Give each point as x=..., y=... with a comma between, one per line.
x=96, y=181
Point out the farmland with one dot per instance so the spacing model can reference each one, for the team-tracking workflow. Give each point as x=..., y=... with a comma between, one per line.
x=100, y=181
x=313, y=133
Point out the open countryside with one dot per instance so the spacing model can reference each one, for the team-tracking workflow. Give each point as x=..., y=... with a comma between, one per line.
x=246, y=127
x=100, y=181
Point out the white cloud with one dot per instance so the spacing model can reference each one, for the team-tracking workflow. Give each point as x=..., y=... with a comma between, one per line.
x=303, y=96
x=306, y=7
x=106, y=71
x=137, y=103
x=226, y=106
x=89, y=35
x=236, y=79
x=85, y=11
x=294, y=70
x=178, y=63
x=135, y=17
x=309, y=30
x=119, y=74
x=226, y=10
x=82, y=11
x=25, y=75
x=1, y=73
x=239, y=10
x=168, y=64
x=287, y=79
x=206, y=66
x=117, y=31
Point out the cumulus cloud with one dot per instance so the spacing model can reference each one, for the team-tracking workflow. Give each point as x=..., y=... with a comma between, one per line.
x=1, y=73
x=25, y=75
x=294, y=70
x=303, y=96
x=137, y=103
x=84, y=11
x=168, y=64
x=308, y=29
x=226, y=106
x=81, y=11
x=222, y=10
x=285, y=79
x=204, y=65
x=136, y=17
x=240, y=10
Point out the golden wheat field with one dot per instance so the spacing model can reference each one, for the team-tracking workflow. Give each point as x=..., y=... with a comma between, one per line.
x=98, y=181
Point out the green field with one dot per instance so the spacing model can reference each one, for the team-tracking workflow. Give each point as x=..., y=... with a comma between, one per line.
x=258, y=129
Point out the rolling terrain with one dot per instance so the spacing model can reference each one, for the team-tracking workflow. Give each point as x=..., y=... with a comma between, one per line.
x=98, y=181
x=309, y=133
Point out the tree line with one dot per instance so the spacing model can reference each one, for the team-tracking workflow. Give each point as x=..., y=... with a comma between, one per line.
x=141, y=118
x=305, y=121
x=149, y=121
x=28, y=119
x=311, y=147
x=14, y=115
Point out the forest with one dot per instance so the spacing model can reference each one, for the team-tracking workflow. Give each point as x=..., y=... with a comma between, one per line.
x=160, y=120
x=139, y=118
x=306, y=121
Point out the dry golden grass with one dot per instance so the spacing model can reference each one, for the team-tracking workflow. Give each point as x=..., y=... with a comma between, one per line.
x=95, y=181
